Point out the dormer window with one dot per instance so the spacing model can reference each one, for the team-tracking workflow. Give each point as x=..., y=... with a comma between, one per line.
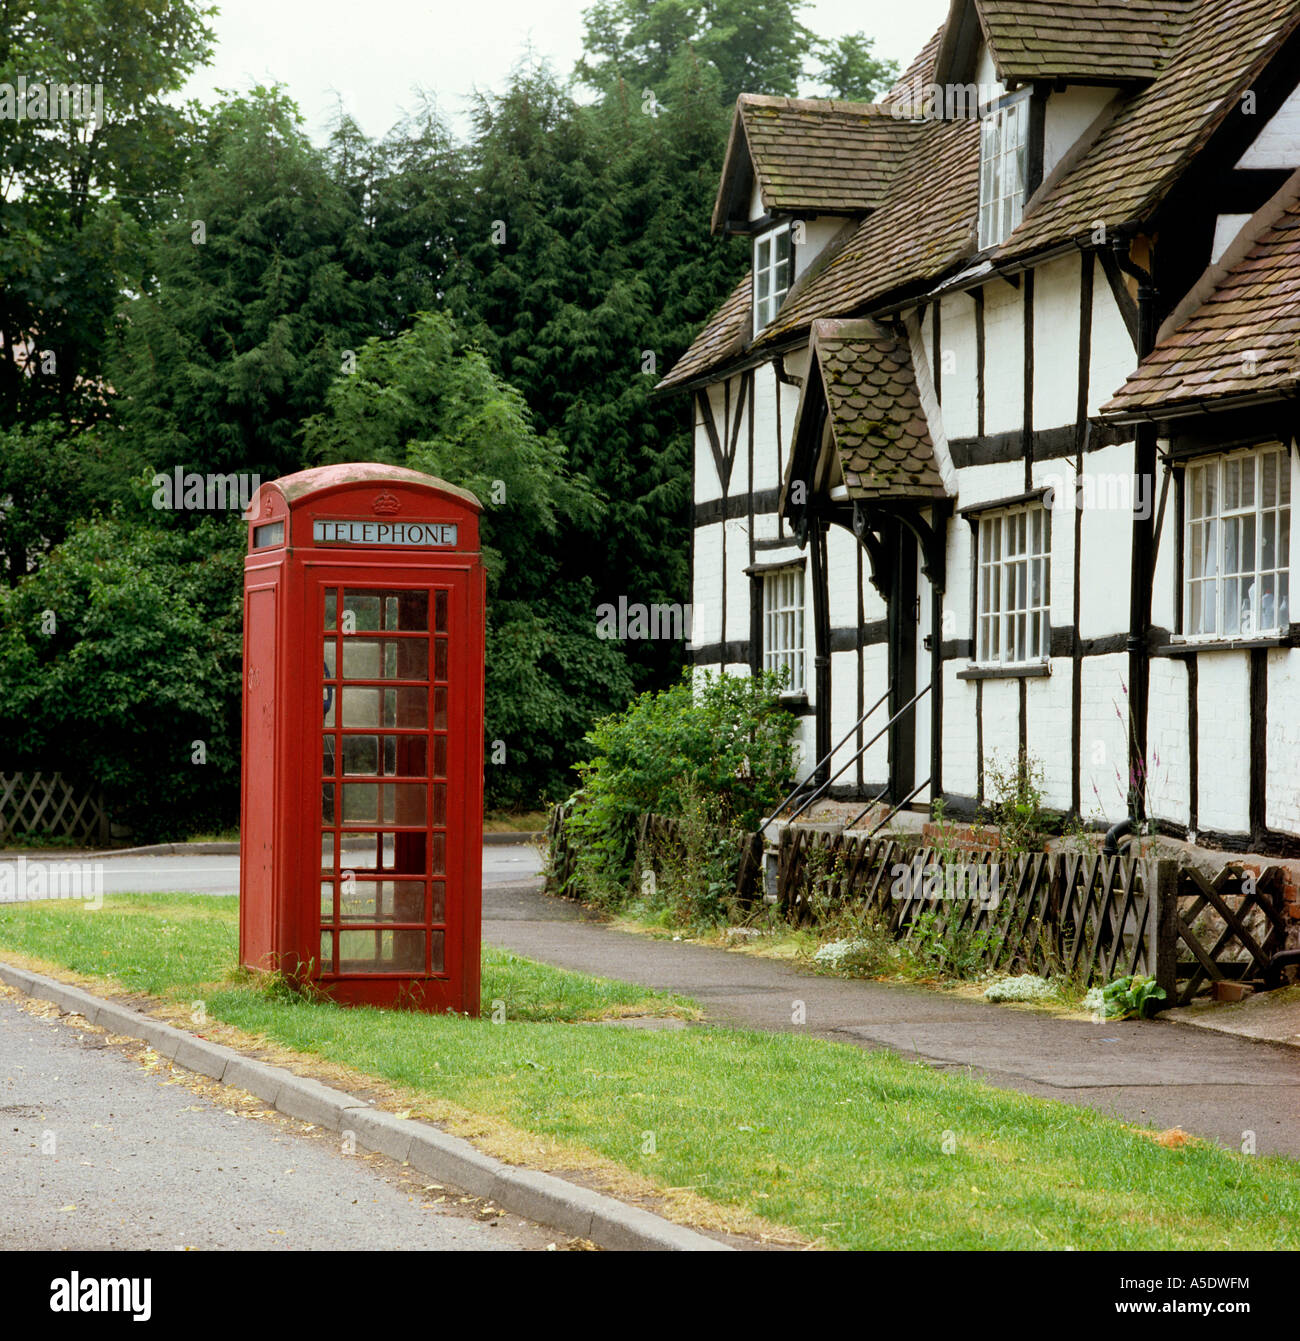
x=1003, y=137
x=773, y=267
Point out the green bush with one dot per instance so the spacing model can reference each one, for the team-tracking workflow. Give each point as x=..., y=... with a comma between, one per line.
x=120, y=663
x=721, y=740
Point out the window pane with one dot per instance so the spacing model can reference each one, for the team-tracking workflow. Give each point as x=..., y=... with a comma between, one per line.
x=381, y=951
x=381, y=901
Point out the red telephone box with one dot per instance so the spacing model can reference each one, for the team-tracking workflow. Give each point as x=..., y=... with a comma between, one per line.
x=361, y=823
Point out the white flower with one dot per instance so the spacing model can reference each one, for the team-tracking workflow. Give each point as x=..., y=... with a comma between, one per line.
x=1027, y=987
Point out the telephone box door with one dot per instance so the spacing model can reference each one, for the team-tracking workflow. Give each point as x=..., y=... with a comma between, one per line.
x=395, y=668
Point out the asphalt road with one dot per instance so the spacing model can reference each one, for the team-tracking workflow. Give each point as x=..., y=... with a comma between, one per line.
x=502, y=863
x=102, y=1145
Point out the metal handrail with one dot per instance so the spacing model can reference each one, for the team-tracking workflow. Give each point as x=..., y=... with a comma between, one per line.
x=825, y=759
x=852, y=759
x=920, y=786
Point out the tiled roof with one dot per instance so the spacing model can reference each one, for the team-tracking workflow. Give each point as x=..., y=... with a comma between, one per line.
x=920, y=72
x=725, y=334
x=1141, y=152
x=1101, y=41
x=925, y=224
x=1244, y=339
x=814, y=153
x=877, y=424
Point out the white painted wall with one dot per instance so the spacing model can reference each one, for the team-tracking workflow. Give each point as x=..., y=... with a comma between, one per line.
x=1103, y=738
x=959, y=366
x=1223, y=741
x=1278, y=144
x=1226, y=227
x=1282, y=742
x=1107, y=542
x=1047, y=719
x=1004, y=358
x=1068, y=114
x=1056, y=343
x=1167, y=746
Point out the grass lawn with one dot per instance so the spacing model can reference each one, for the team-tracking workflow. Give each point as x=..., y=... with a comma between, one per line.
x=846, y=1147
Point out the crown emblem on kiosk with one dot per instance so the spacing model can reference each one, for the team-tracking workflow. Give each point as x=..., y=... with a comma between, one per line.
x=386, y=504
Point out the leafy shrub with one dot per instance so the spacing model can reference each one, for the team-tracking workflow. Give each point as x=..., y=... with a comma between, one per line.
x=725, y=739
x=118, y=654
x=1136, y=996
x=1016, y=803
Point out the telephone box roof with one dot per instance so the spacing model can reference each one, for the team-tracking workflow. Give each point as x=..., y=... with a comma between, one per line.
x=304, y=483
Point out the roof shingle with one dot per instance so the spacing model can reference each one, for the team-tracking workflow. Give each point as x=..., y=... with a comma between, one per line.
x=877, y=424
x=1244, y=339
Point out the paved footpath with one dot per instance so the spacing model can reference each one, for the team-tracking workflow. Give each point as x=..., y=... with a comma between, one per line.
x=1163, y=1074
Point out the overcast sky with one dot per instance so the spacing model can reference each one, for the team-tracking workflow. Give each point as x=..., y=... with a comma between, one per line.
x=374, y=54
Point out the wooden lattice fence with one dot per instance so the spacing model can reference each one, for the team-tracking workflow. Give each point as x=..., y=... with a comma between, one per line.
x=1091, y=916
x=559, y=861
x=52, y=805
x=1087, y=915
x=661, y=838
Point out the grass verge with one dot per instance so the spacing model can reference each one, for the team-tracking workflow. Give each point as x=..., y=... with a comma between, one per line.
x=849, y=1148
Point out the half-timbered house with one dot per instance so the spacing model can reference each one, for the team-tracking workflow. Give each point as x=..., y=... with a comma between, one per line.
x=994, y=445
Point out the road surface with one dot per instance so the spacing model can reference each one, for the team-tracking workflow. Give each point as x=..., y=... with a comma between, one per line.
x=103, y=1145
x=502, y=864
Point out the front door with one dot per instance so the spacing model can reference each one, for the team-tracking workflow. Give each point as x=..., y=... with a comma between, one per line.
x=390, y=686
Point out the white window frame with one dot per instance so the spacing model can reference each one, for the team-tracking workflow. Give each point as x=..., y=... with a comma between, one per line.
x=783, y=625
x=1004, y=153
x=1013, y=591
x=770, y=285
x=1228, y=593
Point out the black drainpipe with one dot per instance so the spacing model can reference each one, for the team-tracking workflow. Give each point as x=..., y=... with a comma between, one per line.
x=1141, y=576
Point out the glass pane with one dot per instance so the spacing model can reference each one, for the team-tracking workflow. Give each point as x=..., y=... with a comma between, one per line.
x=327, y=952
x=327, y=901
x=405, y=756
x=360, y=707
x=440, y=709
x=382, y=901
x=440, y=611
x=330, y=649
x=362, y=611
x=331, y=606
x=327, y=803
x=385, y=803
x=439, y=659
x=437, y=964
x=406, y=853
x=327, y=852
x=438, y=846
x=439, y=804
x=439, y=756
x=406, y=707
x=327, y=755
x=1268, y=480
x=389, y=659
x=361, y=755
x=381, y=951
x=439, y=901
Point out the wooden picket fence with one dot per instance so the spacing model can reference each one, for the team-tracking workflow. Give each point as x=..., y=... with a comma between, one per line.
x=659, y=837
x=50, y=804
x=1090, y=916
x=1084, y=914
